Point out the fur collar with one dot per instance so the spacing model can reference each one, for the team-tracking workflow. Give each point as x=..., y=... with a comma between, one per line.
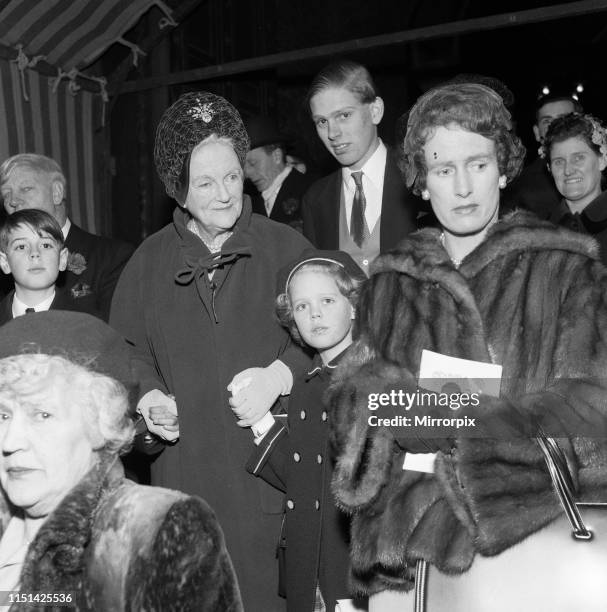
x=55, y=559
x=422, y=255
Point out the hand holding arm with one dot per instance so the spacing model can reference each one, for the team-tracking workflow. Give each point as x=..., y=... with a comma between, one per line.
x=255, y=390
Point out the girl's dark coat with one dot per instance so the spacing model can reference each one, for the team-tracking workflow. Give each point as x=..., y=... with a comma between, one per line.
x=316, y=531
x=531, y=297
x=118, y=546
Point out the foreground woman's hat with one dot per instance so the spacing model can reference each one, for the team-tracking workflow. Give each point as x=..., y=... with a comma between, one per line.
x=76, y=336
x=194, y=117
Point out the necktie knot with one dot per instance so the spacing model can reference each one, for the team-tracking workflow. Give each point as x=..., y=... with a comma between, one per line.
x=358, y=225
x=28, y=310
x=358, y=179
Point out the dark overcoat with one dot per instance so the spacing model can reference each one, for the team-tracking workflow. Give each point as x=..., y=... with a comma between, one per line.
x=296, y=459
x=116, y=546
x=192, y=336
x=592, y=220
x=287, y=206
x=531, y=297
x=94, y=267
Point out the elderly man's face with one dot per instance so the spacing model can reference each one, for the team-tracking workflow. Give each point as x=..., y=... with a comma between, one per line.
x=215, y=192
x=261, y=167
x=45, y=449
x=28, y=188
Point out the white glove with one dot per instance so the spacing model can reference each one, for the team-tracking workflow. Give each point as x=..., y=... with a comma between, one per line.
x=255, y=390
x=159, y=411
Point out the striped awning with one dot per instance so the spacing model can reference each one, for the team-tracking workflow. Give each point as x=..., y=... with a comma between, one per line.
x=52, y=115
x=68, y=33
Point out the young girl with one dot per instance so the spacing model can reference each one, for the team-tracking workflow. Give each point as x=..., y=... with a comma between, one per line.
x=318, y=308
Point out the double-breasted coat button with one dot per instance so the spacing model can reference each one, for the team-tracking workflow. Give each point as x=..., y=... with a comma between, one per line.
x=297, y=457
x=323, y=416
x=319, y=459
x=317, y=504
x=290, y=504
x=302, y=415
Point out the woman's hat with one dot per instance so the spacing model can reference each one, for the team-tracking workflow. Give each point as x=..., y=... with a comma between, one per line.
x=76, y=336
x=194, y=117
x=339, y=258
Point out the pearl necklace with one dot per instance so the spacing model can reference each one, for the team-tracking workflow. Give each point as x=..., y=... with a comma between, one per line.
x=456, y=262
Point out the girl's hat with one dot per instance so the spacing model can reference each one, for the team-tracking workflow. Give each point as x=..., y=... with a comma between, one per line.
x=339, y=258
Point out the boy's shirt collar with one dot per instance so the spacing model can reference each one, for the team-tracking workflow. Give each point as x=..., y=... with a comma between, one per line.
x=19, y=307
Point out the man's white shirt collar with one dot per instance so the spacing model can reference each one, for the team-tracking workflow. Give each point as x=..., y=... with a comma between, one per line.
x=269, y=194
x=66, y=228
x=374, y=169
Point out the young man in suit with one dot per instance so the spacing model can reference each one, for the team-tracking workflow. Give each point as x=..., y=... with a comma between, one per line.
x=279, y=185
x=362, y=208
x=94, y=263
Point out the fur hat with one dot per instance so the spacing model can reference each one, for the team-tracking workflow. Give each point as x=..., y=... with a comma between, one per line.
x=76, y=336
x=194, y=117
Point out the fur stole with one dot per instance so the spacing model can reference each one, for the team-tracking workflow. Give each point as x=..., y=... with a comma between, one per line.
x=531, y=297
x=56, y=559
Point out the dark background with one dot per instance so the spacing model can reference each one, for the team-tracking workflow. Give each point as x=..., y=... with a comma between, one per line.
x=559, y=53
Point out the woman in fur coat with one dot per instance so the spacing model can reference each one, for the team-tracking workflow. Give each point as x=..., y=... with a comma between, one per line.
x=74, y=532
x=516, y=292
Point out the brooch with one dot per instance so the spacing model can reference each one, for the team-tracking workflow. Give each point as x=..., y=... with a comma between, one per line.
x=202, y=111
x=80, y=290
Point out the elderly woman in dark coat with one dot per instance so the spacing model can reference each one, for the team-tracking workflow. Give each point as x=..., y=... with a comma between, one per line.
x=515, y=292
x=195, y=300
x=73, y=529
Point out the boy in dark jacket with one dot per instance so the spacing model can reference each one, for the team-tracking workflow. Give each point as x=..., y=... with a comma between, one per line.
x=32, y=250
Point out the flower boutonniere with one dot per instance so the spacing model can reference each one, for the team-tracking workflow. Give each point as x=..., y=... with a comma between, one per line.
x=76, y=263
x=290, y=206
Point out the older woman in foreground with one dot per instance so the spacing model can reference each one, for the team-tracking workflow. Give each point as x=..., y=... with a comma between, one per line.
x=73, y=529
x=515, y=293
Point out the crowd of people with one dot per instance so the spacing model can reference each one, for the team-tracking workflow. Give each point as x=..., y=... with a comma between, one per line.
x=236, y=350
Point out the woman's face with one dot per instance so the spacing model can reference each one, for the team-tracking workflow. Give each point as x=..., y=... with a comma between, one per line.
x=215, y=191
x=45, y=449
x=576, y=170
x=463, y=180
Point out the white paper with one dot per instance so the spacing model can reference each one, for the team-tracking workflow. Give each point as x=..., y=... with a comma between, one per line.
x=470, y=376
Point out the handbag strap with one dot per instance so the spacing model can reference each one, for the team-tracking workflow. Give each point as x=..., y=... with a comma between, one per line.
x=563, y=485
x=421, y=574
